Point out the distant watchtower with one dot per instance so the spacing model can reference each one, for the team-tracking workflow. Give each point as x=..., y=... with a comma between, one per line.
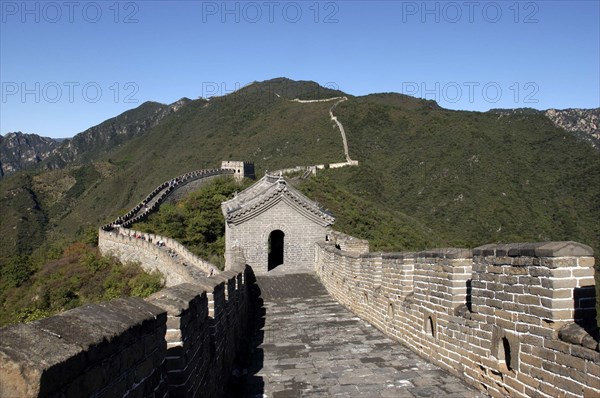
x=240, y=169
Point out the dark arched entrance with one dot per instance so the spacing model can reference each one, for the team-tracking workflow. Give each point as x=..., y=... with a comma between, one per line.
x=276, y=245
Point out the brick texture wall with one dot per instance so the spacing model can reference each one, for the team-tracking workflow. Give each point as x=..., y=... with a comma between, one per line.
x=181, y=267
x=513, y=320
x=252, y=237
x=181, y=342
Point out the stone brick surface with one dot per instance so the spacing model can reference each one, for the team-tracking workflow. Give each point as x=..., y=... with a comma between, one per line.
x=509, y=319
x=311, y=346
x=524, y=293
x=71, y=352
x=282, y=208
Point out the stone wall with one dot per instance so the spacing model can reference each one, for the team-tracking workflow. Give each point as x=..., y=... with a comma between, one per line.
x=173, y=260
x=207, y=327
x=107, y=350
x=240, y=169
x=182, y=341
x=172, y=188
x=513, y=320
x=190, y=186
x=300, y=232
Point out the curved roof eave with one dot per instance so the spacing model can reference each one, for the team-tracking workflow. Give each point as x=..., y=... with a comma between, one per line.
x=270, y=197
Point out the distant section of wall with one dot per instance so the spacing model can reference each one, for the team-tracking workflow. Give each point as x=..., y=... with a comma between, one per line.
x=343, y=164
x=306, y=171
x=512, y=320
x=190, y=186
x=163, y=192
x=240, y=169
x=181, y=342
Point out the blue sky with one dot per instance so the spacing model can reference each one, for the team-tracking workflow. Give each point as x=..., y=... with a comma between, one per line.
x=66, y=66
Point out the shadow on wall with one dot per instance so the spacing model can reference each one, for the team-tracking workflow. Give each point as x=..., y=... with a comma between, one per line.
x=584, y=310
x=245, y=382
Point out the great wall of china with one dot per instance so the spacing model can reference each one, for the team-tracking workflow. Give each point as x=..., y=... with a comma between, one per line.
x=161, y=253
x=512, y=320
x=506, y=318
x=182, y=341
x=308, y=170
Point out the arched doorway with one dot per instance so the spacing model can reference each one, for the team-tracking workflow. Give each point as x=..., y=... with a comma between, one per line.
x=276, y=245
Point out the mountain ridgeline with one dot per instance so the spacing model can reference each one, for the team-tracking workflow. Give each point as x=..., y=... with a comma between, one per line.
x=427, y=176
x=20, y=151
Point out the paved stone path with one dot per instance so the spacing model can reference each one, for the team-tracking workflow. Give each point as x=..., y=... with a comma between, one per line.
x=311, y=346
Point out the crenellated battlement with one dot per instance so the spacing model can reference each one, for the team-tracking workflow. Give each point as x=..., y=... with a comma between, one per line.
x=162, y=253
x=510, y=319
x=161, y=193
x=155, y=253
x=181, y=341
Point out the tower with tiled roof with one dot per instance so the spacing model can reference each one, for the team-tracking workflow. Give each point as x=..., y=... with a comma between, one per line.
x=275, y=226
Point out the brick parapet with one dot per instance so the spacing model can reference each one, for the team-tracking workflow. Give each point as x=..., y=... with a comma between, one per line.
x=161, y=193
x=105, y=350
x=347, y=242
x=182, y=341
x=515, y=340
x=179, y=266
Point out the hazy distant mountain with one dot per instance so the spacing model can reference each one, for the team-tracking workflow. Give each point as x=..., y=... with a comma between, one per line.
x=29, y=151
x=584, y=123
x=19, y=151
x=97, y=140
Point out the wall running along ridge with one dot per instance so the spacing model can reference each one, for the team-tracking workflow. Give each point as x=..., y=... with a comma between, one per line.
x=182, y=341
x=154, y=199
x=506, y=318
x=513, y=320
x=178, y=266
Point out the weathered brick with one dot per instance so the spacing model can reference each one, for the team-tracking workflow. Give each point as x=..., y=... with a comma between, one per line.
x=528, y=299
x=589, y=392
x=585, y=353
x=585, y=261
x=533, y=360
x=593, y=369
x=570, y=385
x=515, y=384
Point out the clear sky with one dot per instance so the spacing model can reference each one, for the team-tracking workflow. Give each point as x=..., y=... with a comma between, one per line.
x=68, y=65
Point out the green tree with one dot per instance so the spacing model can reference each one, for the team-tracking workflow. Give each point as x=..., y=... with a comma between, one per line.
x=17, y=270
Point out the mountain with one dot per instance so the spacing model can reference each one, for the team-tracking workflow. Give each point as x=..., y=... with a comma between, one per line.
x=584, y=123
x=20, y=151
x=29, y=151
x=112, y=133
x=427, y=176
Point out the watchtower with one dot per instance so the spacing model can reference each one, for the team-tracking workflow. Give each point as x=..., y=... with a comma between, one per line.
x=240, y=169
x=275, y=226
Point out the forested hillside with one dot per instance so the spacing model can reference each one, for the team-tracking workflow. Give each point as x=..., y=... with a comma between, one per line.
x=427, y=176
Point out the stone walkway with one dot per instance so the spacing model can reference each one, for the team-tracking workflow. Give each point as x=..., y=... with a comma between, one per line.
x=311, y=346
